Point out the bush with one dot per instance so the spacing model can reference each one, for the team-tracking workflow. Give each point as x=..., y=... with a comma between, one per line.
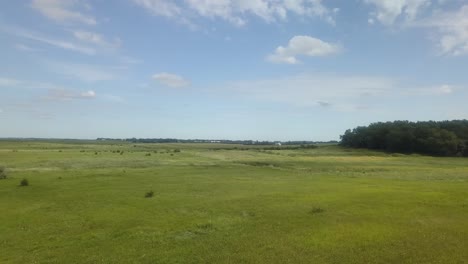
x=24, y=182
x=3, y=174
x=317, y=210
x=149, y=194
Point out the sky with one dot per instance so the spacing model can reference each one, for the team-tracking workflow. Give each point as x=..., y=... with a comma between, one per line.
x=228, y=69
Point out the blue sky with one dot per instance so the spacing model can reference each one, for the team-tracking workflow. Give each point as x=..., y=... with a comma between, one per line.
x=228, y=69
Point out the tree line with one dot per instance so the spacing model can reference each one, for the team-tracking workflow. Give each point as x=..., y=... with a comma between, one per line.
x=437, y=138
x=222, y=141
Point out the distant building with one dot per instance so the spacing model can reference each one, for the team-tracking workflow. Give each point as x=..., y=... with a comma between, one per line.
x=278, y=143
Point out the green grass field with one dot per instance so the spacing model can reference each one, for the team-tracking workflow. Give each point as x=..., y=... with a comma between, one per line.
x=86, y=203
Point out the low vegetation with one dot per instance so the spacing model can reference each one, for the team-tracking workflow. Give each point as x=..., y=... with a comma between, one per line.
x=3, y=173
x=219, y=204
x=149, y=194
x=24, y=182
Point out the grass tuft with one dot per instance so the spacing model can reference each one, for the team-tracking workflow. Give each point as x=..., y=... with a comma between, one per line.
x=24, y=183
x=149, y=194
x=3, y=173
x=317, y=210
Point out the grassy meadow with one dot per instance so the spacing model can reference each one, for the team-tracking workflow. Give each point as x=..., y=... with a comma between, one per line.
x=214, y=203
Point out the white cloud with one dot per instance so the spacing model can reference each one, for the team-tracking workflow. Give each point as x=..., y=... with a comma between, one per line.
x=63, y=11
x=452, y=30
x=114, y=98
x=432, y=90
x=61, y=44
x=160, y=7
x=324, y=90
x=88, y=94
x=237, y=12
x=130, y=60
x=302, y=45
x=171, y=80
x=27, y=84
x=67, y=94
x=9, y=82
x=96, y=39
x=83, y=72
x=344, y=93
x=23, y=47
x=445, y=89
x=23, y=33
x=388, y=11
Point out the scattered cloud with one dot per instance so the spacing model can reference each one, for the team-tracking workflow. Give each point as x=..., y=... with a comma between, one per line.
x=113, y=98
x=238, y=12
x=88, y=94
x=165, y=8
x=67, y=94
x=343, y=93
x=23, y=47
x=305, y=46
x=445, y=89
x=314, y=89
x=8, y=82
x=82, y=72
x=27, y=84
x=432, y=90
x=26, y=34
x=171, y=80
x=64, y=11
x=452, y=30
x=388, y=11
x=130, y=60
x=96, y=39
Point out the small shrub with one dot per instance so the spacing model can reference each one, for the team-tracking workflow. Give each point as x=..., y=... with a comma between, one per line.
x=95, y=153
x=121, y=153
x=317, y=210
x=206, y=226
x=148, y=154
x=24, y=182
x=176, y=150
x=149, y=194
x=3, y=173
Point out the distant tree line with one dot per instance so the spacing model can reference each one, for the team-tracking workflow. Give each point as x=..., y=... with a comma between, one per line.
x=443, y=138
x=222, y=141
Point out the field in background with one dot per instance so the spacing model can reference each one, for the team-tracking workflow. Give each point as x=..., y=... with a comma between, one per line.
x=213, y=203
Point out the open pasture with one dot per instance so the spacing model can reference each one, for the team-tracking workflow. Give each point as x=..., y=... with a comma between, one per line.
x=213, y=203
